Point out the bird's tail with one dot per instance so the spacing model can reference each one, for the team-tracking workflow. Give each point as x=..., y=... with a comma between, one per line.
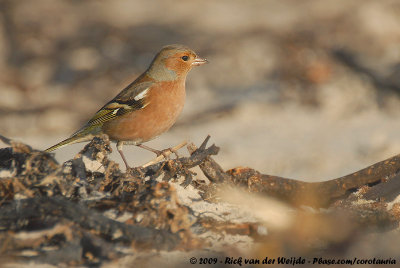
x=71, y=140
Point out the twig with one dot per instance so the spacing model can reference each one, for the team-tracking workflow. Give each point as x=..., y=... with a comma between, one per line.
x=211, y=169
x=183, y=162
x=165, y=154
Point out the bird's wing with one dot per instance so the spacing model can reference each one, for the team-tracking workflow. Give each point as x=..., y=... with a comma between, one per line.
x=132, y=98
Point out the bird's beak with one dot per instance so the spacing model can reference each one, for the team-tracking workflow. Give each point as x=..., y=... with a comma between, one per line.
x=199, y=61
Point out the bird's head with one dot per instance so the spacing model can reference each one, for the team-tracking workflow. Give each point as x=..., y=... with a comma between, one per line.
x=173, y=62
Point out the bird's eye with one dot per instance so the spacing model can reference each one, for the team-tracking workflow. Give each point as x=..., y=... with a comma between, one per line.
x=185, y=58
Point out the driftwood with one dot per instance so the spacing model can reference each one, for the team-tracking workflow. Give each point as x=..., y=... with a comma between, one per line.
x=383, y=174
x=321, y=194
x=85, y=209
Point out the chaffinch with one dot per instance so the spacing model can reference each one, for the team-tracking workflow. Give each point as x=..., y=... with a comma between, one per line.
x=147, y=107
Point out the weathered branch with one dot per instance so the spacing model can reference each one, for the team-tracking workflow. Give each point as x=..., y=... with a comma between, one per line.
x=317, y=194
x=211, y=169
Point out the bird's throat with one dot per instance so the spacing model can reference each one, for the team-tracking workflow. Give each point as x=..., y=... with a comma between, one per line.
x=162, y=74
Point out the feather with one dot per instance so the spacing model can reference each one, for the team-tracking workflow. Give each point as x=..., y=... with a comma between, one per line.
x=132, y=98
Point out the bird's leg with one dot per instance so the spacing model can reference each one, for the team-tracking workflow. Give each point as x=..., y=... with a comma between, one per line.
x=119, y=148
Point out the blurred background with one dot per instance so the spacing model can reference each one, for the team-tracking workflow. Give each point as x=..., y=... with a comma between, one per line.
x=301, y=89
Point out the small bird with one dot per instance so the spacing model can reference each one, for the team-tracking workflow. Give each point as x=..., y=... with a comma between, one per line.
x=147, y=107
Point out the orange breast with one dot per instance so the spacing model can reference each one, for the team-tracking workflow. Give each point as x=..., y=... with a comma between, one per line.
x=166, y=100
